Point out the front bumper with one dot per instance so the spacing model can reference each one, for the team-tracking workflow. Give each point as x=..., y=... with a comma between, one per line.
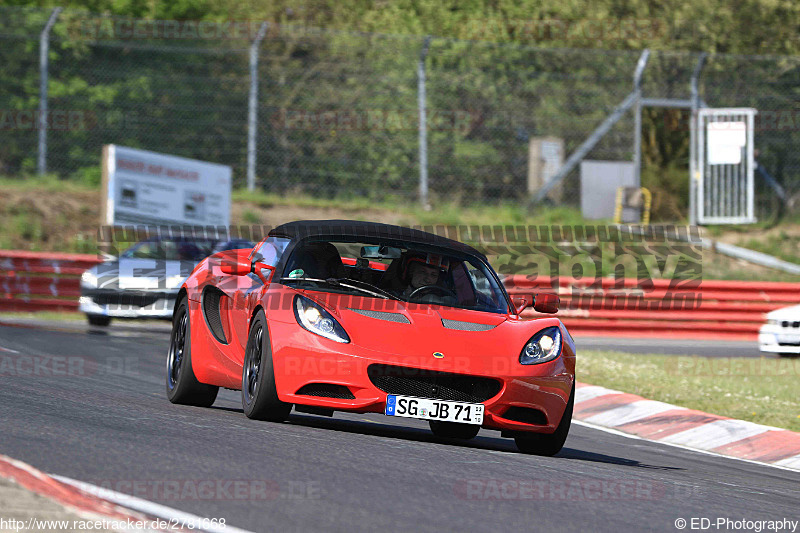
x=120, y=303
x=777, y=339
x=302, y=359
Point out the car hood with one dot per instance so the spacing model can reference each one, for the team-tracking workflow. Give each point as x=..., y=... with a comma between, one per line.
x=417, y=330
x=140, y=274
x=786, y=313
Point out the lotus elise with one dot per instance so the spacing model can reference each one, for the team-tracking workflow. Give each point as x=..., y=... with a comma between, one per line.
x=336, y=315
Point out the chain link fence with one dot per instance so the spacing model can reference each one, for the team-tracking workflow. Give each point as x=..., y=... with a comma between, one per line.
x=338, y=113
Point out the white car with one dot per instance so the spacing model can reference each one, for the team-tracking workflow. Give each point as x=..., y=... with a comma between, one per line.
x=144, y=281
x=781, y=333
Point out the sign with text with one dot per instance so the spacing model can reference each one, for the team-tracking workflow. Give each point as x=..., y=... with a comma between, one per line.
x=142, y=187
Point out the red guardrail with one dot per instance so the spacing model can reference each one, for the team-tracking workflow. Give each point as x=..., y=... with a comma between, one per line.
x=707, y=309
x=34, y=281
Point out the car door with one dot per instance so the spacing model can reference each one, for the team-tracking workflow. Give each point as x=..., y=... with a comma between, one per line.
x=243, y=293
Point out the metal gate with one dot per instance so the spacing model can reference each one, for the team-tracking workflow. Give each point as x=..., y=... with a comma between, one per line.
x=725, y=187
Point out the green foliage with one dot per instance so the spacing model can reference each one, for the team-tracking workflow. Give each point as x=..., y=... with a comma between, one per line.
x=564, y=66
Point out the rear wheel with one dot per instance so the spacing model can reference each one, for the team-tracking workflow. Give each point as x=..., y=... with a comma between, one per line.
x=454, y=430
x=182, y=385
x=259, y=394
x=543, y=444
x=98, y=320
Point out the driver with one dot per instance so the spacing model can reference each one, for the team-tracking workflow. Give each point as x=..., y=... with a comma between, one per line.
x=423, y=272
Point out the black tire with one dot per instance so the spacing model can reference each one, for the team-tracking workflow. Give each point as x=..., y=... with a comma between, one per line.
x=259, y=394
x=98, y=320
x=182, y=385
x=454, y=430
x=544, y=444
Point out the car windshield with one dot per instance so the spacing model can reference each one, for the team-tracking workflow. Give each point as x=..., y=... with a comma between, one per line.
x=170, y=250
x=406, y=271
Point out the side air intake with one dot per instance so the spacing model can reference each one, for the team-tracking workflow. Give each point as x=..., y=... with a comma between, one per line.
x=212, y=298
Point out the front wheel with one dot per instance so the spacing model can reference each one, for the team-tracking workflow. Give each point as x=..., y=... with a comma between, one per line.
x=182, y=385
x=454, y=430
x=543, y=444
x=259, y=393
x=98, y=320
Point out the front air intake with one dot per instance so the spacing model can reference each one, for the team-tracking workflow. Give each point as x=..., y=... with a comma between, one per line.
x=407, y=381
x=526, y=415
x=326, y=390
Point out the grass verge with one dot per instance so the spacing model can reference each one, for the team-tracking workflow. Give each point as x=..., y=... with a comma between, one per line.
x=761, y=390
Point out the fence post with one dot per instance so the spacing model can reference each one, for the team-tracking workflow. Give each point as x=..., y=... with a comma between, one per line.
x=423, y=125
x=637, y=123
x=252, y=108
x=693, y=148
x=44, y=51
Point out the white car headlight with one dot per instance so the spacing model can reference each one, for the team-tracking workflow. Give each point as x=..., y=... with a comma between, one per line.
x=317, y=320
x=89, y=279
x=174, y=282
x=544, y=346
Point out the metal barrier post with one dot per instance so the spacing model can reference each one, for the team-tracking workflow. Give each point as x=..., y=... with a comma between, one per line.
x=423, y=125
x=252, y=108
x=694, y=173
x=44, y=51
x=637, y=123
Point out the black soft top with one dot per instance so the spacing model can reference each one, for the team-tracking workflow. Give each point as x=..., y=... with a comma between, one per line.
x=348, y=229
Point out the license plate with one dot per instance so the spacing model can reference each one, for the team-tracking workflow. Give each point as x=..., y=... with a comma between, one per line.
x=788, y=339
x=427, y=409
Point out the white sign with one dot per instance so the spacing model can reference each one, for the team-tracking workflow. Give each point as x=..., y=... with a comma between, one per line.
x=725, y=142
x=143, y=187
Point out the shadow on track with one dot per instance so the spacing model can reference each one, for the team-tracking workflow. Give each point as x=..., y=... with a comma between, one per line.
x=415, y=434
x=581, y=455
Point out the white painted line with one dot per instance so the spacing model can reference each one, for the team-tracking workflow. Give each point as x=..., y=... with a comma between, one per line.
x=790, y=468
x=583, y=394
x=147, y=507
x=630, y=412
x=716, y=434
x=790, y=462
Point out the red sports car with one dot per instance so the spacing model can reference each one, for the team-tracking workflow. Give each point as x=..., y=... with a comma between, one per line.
x=371, y=318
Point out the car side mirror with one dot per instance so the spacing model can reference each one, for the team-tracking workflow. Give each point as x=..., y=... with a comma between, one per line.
x=546, y=303
x=236, y=266
x=520, y=303
x=258, y=266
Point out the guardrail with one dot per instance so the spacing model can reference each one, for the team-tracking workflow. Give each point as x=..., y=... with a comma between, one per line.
x=35, y=281
x=707, y=309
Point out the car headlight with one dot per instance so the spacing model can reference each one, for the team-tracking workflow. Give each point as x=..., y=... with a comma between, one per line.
x=544, y=346
x=317, y=320
x=89, y=279
x=174, y=282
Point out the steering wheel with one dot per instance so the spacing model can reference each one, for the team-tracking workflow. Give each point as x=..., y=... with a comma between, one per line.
x=433, y=288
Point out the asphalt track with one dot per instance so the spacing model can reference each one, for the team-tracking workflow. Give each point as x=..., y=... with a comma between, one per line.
x=89, y=404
